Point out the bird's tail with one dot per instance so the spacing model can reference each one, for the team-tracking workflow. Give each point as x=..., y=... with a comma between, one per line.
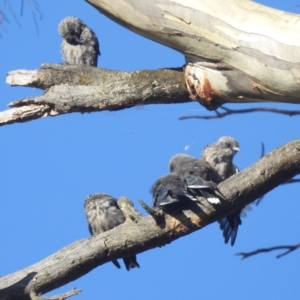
x=229, y=225
x=130, y=262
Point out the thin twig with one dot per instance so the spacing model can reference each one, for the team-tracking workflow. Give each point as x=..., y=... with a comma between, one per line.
x=157, y=214
x=227, y=112
x=292, y=180
x=290, y=249
x=73, y=292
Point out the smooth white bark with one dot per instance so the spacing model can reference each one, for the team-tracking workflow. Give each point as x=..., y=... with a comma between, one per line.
x=244, y=51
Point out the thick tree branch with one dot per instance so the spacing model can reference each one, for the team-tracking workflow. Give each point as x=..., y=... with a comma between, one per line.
x=71, y=88
x=289, y=248
x=79, y=258
x=253, y=56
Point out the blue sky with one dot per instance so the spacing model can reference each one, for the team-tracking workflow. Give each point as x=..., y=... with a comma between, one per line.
x=50, y=165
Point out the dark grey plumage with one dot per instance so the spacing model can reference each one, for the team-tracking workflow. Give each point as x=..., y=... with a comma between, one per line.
x=170, y=193
x=102, y=214
x=198, y=175
x=189, y=178
x=220, y=156
x=80, y=45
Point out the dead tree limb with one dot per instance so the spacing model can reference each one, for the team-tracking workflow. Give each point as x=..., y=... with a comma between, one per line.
x=71, y=88
x=227, y=112
x=73, y=292
x=290, y=248
x=142, y=234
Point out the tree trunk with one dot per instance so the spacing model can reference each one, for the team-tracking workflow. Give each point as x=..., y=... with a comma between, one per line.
x=237, y=50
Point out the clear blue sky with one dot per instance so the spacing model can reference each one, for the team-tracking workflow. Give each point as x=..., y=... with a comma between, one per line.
x=50, y=165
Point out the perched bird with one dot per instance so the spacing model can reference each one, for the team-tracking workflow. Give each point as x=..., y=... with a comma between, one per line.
x=80, y=45
x=189, y=178
x=220, y=155
x=170, y=192
x=198, y=175
x=102, y=214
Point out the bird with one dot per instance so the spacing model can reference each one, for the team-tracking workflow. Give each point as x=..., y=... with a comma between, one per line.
x=80, y=45
x=220, y=155
x=103, y=213
x=198, y=175
x=189, y=178
x=170, y=193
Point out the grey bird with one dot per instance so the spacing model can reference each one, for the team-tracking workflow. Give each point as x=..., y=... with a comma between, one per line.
x=170, y=189
x=220, y=156
x=170, y=192
x=199, y=176
x=80, y=45
x=102, y=214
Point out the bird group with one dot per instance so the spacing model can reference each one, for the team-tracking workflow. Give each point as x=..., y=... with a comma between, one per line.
x=189, y=177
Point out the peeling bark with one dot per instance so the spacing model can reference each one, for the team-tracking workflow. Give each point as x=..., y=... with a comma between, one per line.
x=238, y=51
x=71, y=88
x=139, y=234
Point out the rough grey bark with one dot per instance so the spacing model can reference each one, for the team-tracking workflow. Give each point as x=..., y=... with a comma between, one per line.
x=142, y=233
x=238, y=51
x=73, y=88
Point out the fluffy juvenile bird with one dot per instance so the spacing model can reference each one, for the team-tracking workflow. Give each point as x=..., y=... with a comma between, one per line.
x=80, y=45
x=220, y=156
x=102, y=214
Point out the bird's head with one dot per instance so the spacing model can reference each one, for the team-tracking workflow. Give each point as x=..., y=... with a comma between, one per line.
x=70, y=29
x=227, y=146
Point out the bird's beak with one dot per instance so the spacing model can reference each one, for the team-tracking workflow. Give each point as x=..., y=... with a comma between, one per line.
x=236, y=149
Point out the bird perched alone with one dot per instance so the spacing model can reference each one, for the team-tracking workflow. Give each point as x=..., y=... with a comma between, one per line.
x=102, y=214
x=220, y=155
x=80, y=45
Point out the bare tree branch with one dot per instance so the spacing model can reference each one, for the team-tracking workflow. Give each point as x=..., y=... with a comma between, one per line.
x=263, y=250
x=292, y=180
x=71, y=88
x=156, y=213
x=33, y=5
x=73, y=292
x=227, y=112
x=143, y=233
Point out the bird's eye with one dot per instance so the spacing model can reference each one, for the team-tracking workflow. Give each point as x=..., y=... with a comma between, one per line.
x=228, y=145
